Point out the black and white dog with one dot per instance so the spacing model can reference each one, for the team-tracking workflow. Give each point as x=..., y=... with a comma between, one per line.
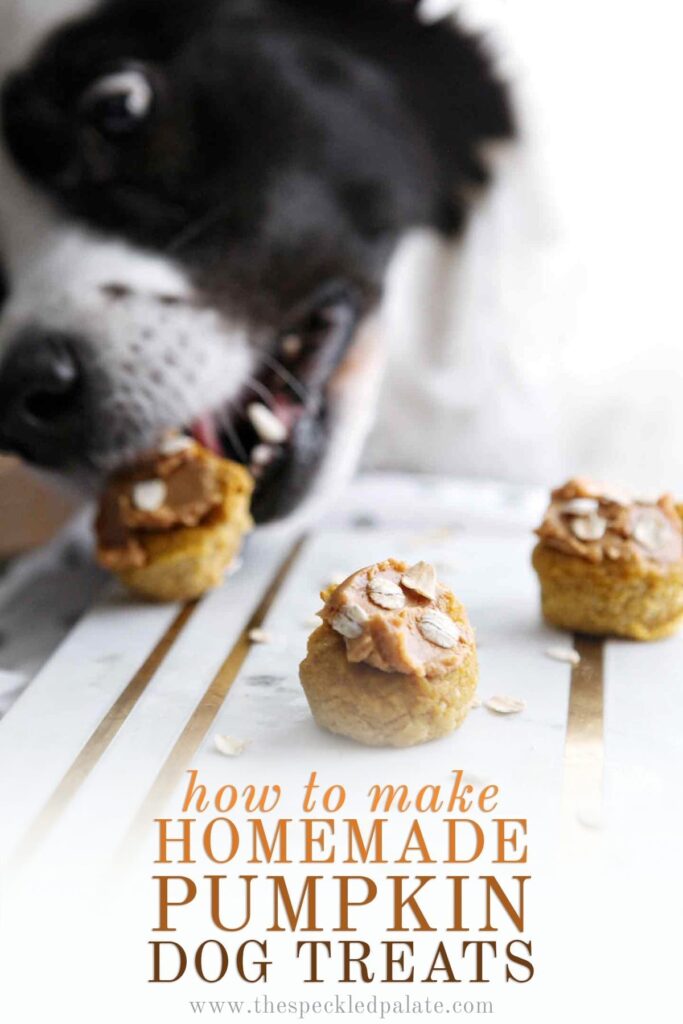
x=199, y=202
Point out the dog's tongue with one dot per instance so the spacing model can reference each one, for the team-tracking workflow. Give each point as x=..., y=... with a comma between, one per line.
x=204, y=431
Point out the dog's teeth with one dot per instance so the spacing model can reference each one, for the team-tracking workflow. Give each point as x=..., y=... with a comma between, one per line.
x=266, y=424
x=262, y=454
x=291, y=345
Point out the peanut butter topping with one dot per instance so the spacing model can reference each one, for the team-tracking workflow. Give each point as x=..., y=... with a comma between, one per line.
x=590, y=521
x=174, y=487
x=387, y=623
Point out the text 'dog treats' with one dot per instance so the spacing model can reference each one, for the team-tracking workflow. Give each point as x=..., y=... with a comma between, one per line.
x=394, y=662
x=171, y=525
x=609, y=564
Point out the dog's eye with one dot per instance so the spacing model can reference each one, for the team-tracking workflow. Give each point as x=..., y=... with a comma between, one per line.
x=119, y=102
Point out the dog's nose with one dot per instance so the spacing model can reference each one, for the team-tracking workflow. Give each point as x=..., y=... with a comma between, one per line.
x=42, y=412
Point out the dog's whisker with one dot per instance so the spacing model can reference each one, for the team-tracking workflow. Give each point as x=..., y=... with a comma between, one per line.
x=299, y=389
x=264, y=393
x=233, y=436
x=194, y=230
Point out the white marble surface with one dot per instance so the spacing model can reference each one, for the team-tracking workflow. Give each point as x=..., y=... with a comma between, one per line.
x=478, y=535
x=129, y=766
x=490, y=572
x=43, y=595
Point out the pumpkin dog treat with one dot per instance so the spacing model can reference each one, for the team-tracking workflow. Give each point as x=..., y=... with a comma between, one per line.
x=171, y=525
x=394, y=662
x=610, y=565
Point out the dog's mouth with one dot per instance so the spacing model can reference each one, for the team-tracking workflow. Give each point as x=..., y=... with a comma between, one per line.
x=279, y=423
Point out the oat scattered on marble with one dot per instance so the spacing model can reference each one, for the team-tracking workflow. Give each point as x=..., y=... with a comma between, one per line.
x=567, y=654
x=229, y=746
x=260, y=636
x=475, y=703
x=503, y=705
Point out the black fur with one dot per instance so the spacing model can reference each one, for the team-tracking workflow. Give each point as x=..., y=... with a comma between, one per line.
x=288, y=146
x=292, y=141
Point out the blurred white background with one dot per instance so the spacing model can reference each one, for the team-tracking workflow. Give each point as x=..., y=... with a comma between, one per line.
x=552, y=341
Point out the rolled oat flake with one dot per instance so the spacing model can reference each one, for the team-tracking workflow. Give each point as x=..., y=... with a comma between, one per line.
x=349, y=621
x=149, y=495
x=438, y=629
x=385, y=593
